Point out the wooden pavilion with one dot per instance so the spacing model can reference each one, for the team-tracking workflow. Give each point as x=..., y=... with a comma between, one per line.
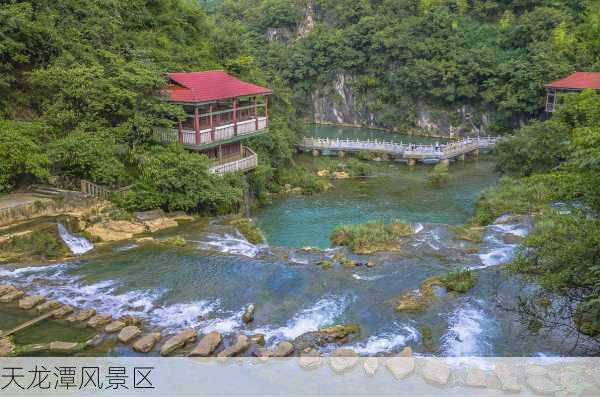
x=575, y=82
x=222, y=111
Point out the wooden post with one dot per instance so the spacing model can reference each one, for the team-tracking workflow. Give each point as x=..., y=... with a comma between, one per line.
x=197, y=124
x=234, y=116
x=255, y=115
x=267, y=111
x=220, y=153
x=210, y=118
x=180, y=133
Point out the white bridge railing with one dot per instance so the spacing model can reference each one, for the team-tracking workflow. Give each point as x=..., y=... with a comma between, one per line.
x=407, y=150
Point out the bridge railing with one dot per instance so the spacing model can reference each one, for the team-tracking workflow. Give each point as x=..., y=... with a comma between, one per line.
x=446, y=150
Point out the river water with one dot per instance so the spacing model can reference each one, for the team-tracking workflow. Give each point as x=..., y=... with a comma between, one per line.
x=207, y=284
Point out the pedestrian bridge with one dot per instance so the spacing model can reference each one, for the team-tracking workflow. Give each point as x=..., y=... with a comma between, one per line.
x=409, y=151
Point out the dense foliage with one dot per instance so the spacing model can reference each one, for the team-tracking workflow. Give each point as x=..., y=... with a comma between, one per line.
x=492, y=55
x=559, y=183
x=79, y=84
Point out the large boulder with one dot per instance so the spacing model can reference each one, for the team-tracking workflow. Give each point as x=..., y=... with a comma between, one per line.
x=510, y=238
x=207, y=345
x=115, y=326
x=242, y=342
x=81, y=315
x=65, y=347
x=116, y=230
x=128, y=334
x=508, y=380
x=99, y=320
x=343, y=360
x=146, y=343
x=248, y=315
x=11, y=296
x=178, y=341
x=63, y=311
x=436, y=372
x=47, y=306
x=29, y=302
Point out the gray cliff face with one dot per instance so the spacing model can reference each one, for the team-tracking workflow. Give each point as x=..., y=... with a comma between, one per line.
x=336, y=103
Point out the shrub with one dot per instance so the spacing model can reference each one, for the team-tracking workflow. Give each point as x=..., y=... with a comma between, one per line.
x=174, y=179
x=438, y=176
x=459, y=281
x=358, y=168
x=370, y=237
x=21, y=154
x=44, y=244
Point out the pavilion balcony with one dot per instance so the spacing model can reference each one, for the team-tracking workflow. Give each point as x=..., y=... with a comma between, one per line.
x=208, y=137
x=246, y=161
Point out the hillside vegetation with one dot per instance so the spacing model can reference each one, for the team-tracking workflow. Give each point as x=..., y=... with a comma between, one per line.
x=79, y=84
x=494, y=56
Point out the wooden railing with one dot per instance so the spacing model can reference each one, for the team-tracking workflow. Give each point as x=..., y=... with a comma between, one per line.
x=248, y=162
x=94, y=190
x=221, y=133
x=407, y=150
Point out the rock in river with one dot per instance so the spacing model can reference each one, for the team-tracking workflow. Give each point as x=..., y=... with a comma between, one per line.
x=115, y=326
x=542, y=385
x=11, y=296
x=6, y=288
x=333, y=334
x=29, y=302
x=146, y=343
x=241, y=344
x=508, y=380
x=342, y=360
x=63, y=311
x=436, y=372
x=65, y=347
x=400, y=366
x=99, y=320
x=476, y=377
x=248, y=316
x=82, y=315
x=178, y=341
x=207, y=345
x=310, y=359
x=371, y=365
x=128, y=334
x=6, y=347
x=47, y=306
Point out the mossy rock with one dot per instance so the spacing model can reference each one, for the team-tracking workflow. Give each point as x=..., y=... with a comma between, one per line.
x=470, y=233
x=249, y=230
x=418, y=300
x=175, y=241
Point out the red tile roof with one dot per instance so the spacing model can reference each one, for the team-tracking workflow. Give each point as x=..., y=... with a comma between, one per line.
x=578, y=81
x=195, y=87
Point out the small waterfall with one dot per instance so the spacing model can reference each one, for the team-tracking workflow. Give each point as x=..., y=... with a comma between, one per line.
x=77, y=245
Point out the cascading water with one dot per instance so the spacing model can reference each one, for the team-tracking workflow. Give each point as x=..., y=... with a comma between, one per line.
x=77, y=245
